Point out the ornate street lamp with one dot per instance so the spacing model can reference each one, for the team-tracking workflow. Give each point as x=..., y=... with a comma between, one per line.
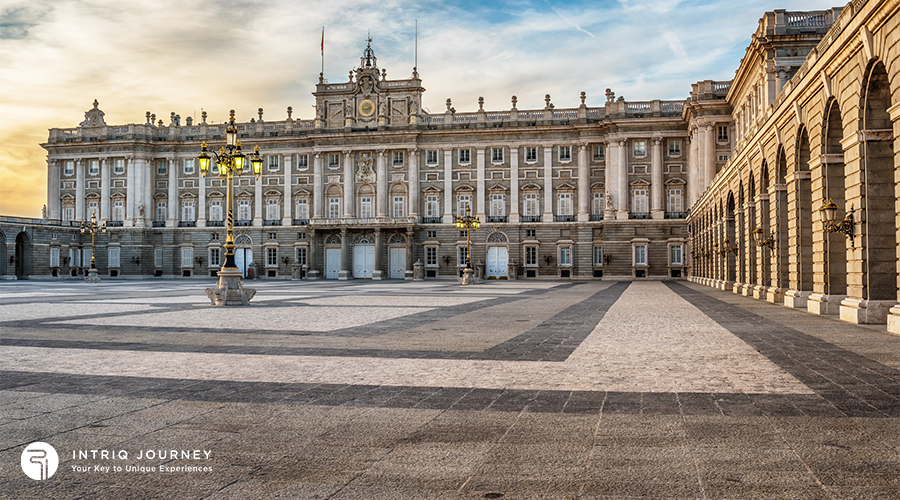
x=761, y=240
x=92, y=228
x=728, y=249
x=468, y=222
x=230, y=161
x=829, y=214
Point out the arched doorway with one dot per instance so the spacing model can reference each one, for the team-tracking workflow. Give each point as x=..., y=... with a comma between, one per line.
x=363, y=256
x=835, y=254
x=23, y=256
x=397, y=256
x=332, y=256
x=243, y=254
x=497, y=256
x=800, y=213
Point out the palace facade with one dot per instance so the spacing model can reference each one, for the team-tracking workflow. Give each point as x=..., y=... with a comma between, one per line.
x=723, y=187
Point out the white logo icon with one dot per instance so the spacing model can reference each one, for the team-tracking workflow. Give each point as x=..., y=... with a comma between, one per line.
x=39, y=461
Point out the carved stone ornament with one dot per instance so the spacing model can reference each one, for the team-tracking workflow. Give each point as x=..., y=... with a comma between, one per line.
x=93, y=117
x=365, y=174
x=609, y=203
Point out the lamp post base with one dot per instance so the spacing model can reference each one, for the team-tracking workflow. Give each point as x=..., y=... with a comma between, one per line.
x=468, y=277
x=92, y=276
x=230, y=290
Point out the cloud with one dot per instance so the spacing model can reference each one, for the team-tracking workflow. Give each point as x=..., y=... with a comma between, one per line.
x=16, y=20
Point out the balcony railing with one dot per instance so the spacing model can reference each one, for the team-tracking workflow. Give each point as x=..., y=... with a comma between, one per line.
x=432, y=220
x=272, y=222
x=366, y=221
x=156, y=223
x=497, y=218
x=299, y=222
x=243, y=223
x=115, y=223
x=215, y=223
x=676, y=215
x=187, y=223
x=531, y=218
x=563, y=218
x=596, y=217
x=638, y=215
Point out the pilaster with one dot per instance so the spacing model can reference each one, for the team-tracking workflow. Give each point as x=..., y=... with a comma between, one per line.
x=79, y=189
x=448, y=187
x=381, y=194
x=584, y=184
x=104, y=190
x=479, y=183
x=513, y=184
x=318, y=187
x=413, y=182
x=622, y=177
x=548, y=184
x=349, y=188
x=657, y=209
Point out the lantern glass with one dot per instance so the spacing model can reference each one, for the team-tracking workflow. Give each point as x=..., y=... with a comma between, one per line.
x=204, y=163
x=829, y=212
x=256, y=163
x=238, y=163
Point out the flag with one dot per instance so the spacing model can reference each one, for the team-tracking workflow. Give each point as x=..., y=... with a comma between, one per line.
x=323, y=40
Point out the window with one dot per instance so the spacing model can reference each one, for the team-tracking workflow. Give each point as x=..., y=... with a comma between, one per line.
x=639, y=201
x=189, y=166
x=157, y=257
x=187, y=210
x=598, y=256
x=640, y=148
x=431, y=157
x=273, y=162
x=497, y=155
x=69, y=167
x=464, y=200
x=302, y=162
x=431, y=206
x=302, y=208
x=161, y=167
x=162, y=211
x=54, y=257
x=530, y=154
x=399, y=207
x=86, y=256
x=597, y=204
x=531, y=205
x=214, y=167
x=565, y=204
x=215, y=210
x=93, y=207
x=530, y=233
x=675, y=147
x=301, y=256
x=498, y=205
x=398, y=157
x=565, y=256
x=334, y=160
x=722, y=133
x=676, y=252
x=431, y=234
x=68, y=214
x=187, y=257
x=215, y=236
x=334, y=208
x=243, y=211
x=94, y=167
x=366, y=208
x=465, y=156
x=531, y=256
x=214, y=256
x=723, y=157
x=431, y=256
x=599, y=152
x=118, y=213
x=640, y=255
x=75, y=257
x=565, y=153
x=271, y=257
x=273, y=211
x=119, y=166
x=460, y=256
x=113, y=257
x=674, y=203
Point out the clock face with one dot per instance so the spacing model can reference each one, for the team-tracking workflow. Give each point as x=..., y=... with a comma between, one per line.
x=367, y=108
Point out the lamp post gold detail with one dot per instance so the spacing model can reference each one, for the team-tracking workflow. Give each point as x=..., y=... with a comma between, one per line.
x=92, y=228
x=230, y=161
x=763, y=241
x=829, y=215
x=468, y=223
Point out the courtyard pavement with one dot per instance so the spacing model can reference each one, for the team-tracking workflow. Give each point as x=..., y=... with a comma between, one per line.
x=396, y=390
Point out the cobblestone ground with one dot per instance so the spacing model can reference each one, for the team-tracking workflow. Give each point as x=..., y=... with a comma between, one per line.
x=352, y=390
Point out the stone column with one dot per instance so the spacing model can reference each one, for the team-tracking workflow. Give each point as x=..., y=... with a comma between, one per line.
x=514, y=184
x=53, y=204
x=312, y=260
x=378, y=272
x=201, y=201
x=147, y=191
x=479, y=184
x=257, y=201
x=448, y=187
x=413, y=183
x=610, y=182
x=694, y=174
x=344, y=273
x=381, y=191
x=548, y=184
x=138, y=176
x=349, y=187
x=709, y=161
x=79, y=190
x=584, y=184
x=410, y=252
x=657, y=208
x=318, y=187
x=622, y=167
x=172, y=203
x=287, y=192
x=702, y=181
x=104, y=190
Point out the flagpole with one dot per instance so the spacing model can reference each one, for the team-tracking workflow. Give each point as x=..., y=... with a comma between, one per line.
x=416, y=61
x=323, y=52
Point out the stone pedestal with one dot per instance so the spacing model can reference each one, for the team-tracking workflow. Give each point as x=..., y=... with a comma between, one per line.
x=822, y=305
x=343, y=275
x=313, y=275
x=775, y=295
x=296, y=270
x=511, y=270
x=759, y=292
x=92, y=276
x=747, y=290
x=378, y=274
x=796, y=299
x=418, y=273
x=865, y=311
x=893, y=320
x=230, y=291
x=736, y=288
x=468, y=277
x=726, y=286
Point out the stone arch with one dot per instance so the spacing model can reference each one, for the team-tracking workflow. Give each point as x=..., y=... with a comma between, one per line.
x=731, y=237
x=497, y=237
x=800, y=213
x=23, y=256
x=780, y=266
x=834, y=254
x=333, y=239
x=243, y=240
x=397, y=239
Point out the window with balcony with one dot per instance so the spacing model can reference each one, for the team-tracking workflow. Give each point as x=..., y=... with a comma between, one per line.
x=243, y=211
x=187, y=211
x=532, y=205
x=366, y=207
x=722, y=133
x=162, y=166
x=273, y=211
x=302, y=211
x=398, y=206
x=162, y=211
x=675, y=200
x=498, y=205
x=564, y=207
x=334, y=208
x=215, y=210
x=334, y=161
x=118, y=211
x=639, y=201
x=432, y=206
x=463, y=201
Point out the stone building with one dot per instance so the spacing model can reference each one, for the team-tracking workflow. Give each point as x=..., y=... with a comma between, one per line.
x=815, y=106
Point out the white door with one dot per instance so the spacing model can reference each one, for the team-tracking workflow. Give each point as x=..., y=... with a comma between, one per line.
x=398, y=263
x=363, y=261
x=332, y=263
x=242, y=259
x=497, y=261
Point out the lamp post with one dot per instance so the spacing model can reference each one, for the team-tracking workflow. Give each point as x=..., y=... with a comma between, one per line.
x=468, y=222
x=829, y=214
x=92, y=228
x=762, y=240
x=230, y=161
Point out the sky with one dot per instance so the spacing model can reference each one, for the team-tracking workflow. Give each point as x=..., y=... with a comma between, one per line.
x=134, y=56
